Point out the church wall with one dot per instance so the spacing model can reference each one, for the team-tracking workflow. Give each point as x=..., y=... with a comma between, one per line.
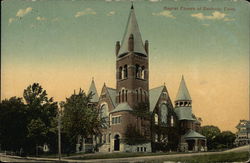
x=126, y=119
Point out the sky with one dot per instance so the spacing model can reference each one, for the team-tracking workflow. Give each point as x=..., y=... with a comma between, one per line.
x=62, y=44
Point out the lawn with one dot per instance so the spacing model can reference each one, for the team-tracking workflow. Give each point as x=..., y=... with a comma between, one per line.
x=223, y=157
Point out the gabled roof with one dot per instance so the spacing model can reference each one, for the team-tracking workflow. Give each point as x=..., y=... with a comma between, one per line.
x=92, y=88
x=122, y=107
x=183, y=93
x=132, y=28
x=154, y=95
x=112, y=94
x=191, y=134
x=184, y=113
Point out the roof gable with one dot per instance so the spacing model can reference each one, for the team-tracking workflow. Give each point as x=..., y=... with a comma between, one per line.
x=112, y=95
x=154, y=95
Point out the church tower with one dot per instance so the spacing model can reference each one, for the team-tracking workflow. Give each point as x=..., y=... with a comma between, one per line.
x=132, y=65
x=183, y=107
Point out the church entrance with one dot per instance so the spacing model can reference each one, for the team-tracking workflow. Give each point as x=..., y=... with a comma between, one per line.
x=116, y=143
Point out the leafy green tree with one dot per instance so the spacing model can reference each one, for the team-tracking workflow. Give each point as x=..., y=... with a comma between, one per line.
x=41, y=114
x=133, y=135
x=12, y=124
x=211, y=133
x=37, y=131
x=79, y=118
x=225, y=139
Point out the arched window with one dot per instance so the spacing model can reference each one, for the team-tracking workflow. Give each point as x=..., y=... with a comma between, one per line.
x=181, y=103
x=143, y=72
x=137, y=71
x=125, y=69
x=104, y=111
x=140, y=72
x=109, y=138
x=120, y=72
x=164, y=113
x=104, y=138
x=123, y=95
x=126, y=95
x=156, y=119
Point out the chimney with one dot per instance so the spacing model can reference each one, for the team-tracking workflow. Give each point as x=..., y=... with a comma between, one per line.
x=131, y=43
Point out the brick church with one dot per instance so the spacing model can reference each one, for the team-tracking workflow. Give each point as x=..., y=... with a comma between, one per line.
x=171, y=126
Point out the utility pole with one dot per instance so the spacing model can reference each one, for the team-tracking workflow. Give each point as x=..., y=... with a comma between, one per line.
x=59, y=134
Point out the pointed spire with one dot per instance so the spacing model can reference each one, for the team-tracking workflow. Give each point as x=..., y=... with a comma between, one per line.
x=92, y=89
x=132, y=28
x=132, y=6
x=183, y=93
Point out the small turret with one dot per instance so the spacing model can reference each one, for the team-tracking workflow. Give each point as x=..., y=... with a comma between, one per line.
x=117, y=47
x=183, y=97
x=131, y=43
x=146, y=46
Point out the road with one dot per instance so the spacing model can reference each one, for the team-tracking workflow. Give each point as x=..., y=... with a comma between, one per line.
x=7, y=158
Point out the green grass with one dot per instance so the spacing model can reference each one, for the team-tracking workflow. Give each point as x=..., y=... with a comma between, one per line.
x=225, y=157
x=117, y=155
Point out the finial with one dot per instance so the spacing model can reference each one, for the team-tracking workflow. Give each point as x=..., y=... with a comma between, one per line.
x=132, y=7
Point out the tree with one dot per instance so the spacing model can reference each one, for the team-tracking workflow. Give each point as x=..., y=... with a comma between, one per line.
x=211, y=133
x=225, y=139
x=134, y=134
x=134, y=137
x=79, y=118
x=12, y=124
x=41, y=114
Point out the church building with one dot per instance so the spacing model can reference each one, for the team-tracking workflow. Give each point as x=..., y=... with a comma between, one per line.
x=171, y=126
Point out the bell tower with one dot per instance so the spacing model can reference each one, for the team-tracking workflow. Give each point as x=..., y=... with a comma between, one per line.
x=132, y=65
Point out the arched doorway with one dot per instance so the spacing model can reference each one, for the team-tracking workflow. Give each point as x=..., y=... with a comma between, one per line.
x=117, y=143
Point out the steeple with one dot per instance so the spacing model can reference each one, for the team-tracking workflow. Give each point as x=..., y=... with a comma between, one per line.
x=183, y=94
x=92, y=89
x=132, y=40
